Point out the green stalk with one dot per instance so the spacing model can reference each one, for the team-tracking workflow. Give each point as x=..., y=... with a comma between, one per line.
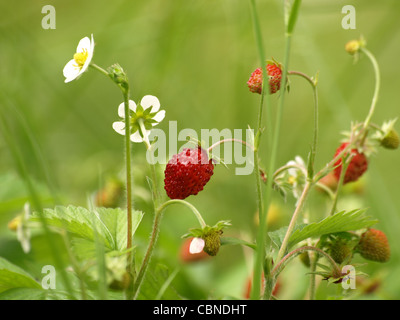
x=260, y=252
x=157, y=217
x=128, y=181
x=293, y=254
x=124, y=87
x=377, y=85
x=275, y=142
x=345, y=165
x=313, y=84
x=292, y=223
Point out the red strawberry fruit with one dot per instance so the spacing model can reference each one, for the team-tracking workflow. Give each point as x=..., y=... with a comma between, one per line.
x=275, y=75
x=374, y=246
x=187, y=173
x=358, y=165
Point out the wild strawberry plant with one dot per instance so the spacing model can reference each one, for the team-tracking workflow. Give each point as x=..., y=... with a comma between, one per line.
x=102, y=250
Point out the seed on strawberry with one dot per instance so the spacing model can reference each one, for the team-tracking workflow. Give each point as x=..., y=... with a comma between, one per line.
x=274, y=74
x=187, y=173
x=374, y=246
x=358, y=165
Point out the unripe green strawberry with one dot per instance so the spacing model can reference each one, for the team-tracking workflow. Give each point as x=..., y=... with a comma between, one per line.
x=212, y=242
x=374, y=246
x=305, y=259
x=340, y=250
x=391, y=140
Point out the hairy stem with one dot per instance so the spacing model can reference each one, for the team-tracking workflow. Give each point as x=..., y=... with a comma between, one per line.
x=313, y=84
x=230, y=140
x=377, y=85
x=292, y=223
x=293, y=254
x=187, y=204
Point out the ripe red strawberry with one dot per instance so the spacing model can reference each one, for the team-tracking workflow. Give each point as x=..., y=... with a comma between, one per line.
x=275, y=75
x=187, y=173
x=358, y=165
x=374, y=246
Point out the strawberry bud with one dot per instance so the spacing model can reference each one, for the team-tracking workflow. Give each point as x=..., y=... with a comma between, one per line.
x=391, y=140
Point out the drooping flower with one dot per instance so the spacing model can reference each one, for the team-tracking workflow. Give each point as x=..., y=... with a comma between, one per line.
x=147, y=112
x=81, y=61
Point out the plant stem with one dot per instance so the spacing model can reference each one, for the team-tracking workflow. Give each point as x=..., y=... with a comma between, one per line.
x=154, y=235
x=229, y=140
x=292, y=223
x=377, y=85
x=128, y=182
x=291, y=255
x=149, y=253
x=275, y=144
x=313, y=84
x=187, y=204
x=260, y=252
x=100, y=69
x=157, y=216
x=345, y=165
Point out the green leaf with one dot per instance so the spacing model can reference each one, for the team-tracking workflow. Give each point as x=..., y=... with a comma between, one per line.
x=116, y=222
x=236, y=241
x=12, y=276
x=110, y=224
x=294, y=12
x=155, y=278
x=339, y=222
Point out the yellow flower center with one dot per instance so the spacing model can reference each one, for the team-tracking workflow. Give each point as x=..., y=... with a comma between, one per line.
x=80, y=58
x=292, y=180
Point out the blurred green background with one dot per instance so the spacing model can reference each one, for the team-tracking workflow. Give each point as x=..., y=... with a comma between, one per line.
x=196, y=57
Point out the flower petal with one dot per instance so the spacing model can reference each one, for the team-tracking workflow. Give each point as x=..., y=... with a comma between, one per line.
x=196, y=246
x=159, y=117
x=136, y=137
x=150, y=101
x=119, y=127
x=121, y=108
x=71, y=71
x=90, y=51
x=84, y=44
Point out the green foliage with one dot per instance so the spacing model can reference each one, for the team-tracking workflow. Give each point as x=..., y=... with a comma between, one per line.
x=339, y=222
x=110, y=224
x=11, y=276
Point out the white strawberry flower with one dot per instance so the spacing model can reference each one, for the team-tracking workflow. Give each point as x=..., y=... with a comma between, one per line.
x=297, y=174
x=81, y=61
x=145, y=115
